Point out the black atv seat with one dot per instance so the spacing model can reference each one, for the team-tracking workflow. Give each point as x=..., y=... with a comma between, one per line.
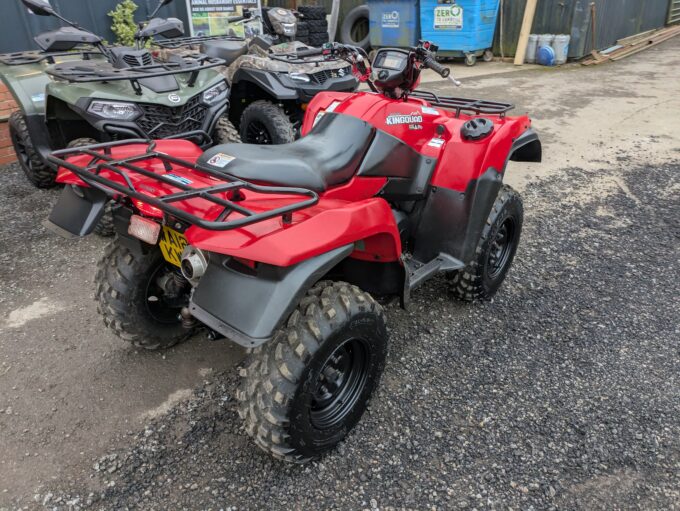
x=229, y=51
x=328, y=156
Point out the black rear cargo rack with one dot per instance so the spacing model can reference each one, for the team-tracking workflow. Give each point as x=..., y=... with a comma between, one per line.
x=106, y=73
x=33, y=57
x=179, y=42
x=102, y=160
x=475, y=106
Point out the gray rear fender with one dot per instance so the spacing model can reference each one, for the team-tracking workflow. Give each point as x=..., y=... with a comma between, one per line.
x=248, y=305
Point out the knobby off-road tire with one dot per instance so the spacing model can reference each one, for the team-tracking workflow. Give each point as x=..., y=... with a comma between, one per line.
x=104, y=227
x=263, y=122
x=495, y=251
x=318, y=27
x=354, y=29
x=225, y=132
x=289, y=409
x=318, y=39
x=312, y=12
x=37, y=171
x=302, y=33
x=124, y=293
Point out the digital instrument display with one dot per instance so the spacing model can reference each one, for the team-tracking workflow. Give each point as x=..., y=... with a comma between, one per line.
x=393, y=61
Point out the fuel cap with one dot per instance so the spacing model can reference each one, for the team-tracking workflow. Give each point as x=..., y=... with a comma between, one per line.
x=477, y=129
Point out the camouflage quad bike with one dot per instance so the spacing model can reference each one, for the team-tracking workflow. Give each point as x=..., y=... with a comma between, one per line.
x=68, y=96
x=272, y=76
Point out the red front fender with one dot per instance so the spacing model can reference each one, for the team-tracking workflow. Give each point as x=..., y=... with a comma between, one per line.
x=330, y=224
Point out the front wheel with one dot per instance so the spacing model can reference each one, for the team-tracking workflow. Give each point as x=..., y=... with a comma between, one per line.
x=140, y=297
x=263, y=122
x=496, y=248
x=307, y=388
x=37, y=171
x=225, y=132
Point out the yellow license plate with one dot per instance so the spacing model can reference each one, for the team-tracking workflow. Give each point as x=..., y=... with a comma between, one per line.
x=172, y=244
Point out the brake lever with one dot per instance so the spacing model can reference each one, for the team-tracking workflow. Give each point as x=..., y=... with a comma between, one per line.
x=457, y=83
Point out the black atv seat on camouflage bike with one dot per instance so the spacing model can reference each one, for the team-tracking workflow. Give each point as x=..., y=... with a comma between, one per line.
x=328, y=156
x=228, y=51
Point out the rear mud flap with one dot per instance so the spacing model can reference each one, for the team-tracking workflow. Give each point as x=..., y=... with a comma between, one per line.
x=247, y=308
x=77, y=211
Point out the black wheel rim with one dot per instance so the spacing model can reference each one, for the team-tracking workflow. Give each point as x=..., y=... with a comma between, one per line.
x=501, y=248
x=20, y=149
x=160, y=306
x=339, y=384
x=257, y=133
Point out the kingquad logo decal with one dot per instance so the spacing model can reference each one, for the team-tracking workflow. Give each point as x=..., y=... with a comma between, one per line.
x=412, y=118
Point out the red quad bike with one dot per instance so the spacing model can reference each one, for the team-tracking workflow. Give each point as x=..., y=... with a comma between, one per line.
x=282, y=249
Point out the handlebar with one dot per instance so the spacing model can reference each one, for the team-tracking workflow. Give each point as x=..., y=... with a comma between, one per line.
x=430, y=63
x=309, y=53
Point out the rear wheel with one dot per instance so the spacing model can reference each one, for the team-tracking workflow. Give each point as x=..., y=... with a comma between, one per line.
x=104, y=227
x=264, y=122
x=225, y=132
x=495, y=251
x=302, y=392
x=487, y=56
x=37, y=171
x=140, y=297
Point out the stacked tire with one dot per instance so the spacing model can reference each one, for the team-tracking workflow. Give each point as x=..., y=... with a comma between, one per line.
x=315, y=24
x=302, y=32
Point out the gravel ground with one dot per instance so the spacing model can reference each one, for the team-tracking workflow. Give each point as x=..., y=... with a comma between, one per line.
x=560, y=393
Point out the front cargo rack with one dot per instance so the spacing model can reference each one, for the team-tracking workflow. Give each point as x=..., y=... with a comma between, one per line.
x=475, y=106
x=179, y=42
x=20, y=58
x=102, y=159
x=192, y=64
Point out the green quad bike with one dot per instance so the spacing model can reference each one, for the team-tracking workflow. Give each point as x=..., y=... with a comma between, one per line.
x=77, y=91
x=272, y=76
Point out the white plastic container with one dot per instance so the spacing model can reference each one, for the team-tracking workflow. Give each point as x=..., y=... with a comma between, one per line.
x=532, y=47
x=561, y=47
x=545, y=40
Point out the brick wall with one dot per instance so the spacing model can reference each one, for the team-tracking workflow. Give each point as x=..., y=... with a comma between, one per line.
x=7, y=106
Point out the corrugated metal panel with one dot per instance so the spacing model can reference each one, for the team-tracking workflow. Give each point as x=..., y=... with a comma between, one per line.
x=674, y=11
x=17, y=35
x=615, y=19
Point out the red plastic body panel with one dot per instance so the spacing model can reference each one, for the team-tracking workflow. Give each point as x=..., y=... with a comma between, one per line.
x=349, y=213
x=459, y=161
x=183, y=149
x=330, y=224
x=345, y=214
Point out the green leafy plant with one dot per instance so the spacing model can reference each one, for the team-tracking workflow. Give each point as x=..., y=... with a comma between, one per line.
x=124, y=25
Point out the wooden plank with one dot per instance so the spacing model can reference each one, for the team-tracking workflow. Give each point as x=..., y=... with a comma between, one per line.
x=636, y=38
x=527, y=22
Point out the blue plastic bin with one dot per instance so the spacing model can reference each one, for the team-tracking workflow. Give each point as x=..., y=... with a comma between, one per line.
x=459, y=27
x=393, y=23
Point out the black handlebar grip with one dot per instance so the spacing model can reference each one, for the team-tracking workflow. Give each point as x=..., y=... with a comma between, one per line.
x=234, y=19
x=442, y=71
x=310, y=52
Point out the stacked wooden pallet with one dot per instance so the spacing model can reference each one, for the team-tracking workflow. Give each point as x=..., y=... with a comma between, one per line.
x=631, y=45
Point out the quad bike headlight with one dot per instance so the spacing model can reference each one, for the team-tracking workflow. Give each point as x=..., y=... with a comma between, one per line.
x=300, y=77
x=114, y=110
x=216, y=93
